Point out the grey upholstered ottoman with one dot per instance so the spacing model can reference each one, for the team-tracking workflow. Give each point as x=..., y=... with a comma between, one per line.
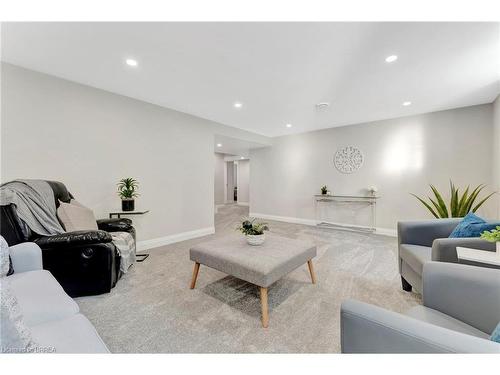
x=260, y=265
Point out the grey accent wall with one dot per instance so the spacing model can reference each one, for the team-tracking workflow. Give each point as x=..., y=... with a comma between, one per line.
x=401, y=156
x=89, y=139
x=496, y=150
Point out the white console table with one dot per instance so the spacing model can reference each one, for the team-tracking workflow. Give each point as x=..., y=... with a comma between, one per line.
x=347, y=199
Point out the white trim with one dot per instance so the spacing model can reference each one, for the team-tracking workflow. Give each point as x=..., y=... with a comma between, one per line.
x=310, y=222
x=217, y=206
x=173, y=238
x=387, y=232
x=246, y=204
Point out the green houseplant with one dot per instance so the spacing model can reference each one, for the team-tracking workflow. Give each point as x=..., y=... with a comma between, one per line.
x=493, y=236
x=253, y=230
x=324, y=190
x=460, y=203
x=127, y=191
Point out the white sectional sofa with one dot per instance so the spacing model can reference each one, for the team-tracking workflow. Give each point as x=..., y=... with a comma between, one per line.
x=53, y=318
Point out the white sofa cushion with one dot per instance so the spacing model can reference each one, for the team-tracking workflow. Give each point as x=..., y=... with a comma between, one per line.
x=71, y=335
x=4, y=258
x=15, y=335
x=41, y=298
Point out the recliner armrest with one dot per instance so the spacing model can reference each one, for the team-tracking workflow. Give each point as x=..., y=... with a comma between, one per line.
x=467, y=293
x=25, y=257
x=370, y=329
x=115, y=225
x=81, y=237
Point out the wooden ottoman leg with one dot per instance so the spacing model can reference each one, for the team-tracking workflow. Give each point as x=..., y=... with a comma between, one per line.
x=264, y=306
x=195, y=275
x=311, y=271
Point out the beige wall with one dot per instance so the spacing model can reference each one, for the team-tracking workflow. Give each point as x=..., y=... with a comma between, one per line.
x=219, y=179
x=89, y=139
x=496, y=150
x=401, y=156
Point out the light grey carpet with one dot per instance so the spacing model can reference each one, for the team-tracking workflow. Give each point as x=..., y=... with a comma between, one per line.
x=153, y=310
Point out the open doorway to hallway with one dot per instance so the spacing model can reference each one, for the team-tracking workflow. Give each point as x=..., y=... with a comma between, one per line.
x=232, y=171
x=232, y=180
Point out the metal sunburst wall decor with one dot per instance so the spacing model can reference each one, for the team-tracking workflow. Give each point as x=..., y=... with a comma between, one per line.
x=348, y=159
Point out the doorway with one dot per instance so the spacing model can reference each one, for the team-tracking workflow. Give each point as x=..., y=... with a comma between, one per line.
x=231, y=182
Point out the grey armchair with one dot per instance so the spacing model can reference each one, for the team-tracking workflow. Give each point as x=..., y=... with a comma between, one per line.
x=422, y=241
x=461, y=307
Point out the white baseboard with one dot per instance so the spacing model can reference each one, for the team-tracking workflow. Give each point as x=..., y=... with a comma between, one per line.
x=311, y=222
x=173, y=238
x=246, y=204
x=387, y=232
x=286, y=219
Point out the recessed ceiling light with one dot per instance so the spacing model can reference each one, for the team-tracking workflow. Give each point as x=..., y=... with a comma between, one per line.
x=237, y=105
x=288, y=125
x=131, y=62
x=219, y=144
x=391, y=58
x=406, y=104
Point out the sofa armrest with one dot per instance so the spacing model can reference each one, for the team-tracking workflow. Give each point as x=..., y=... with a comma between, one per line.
x=370, y=329
x=115, y=225
x=81, y=237
x=467, y=293
x=445, y=249
x=424, y=232
x=26, y=256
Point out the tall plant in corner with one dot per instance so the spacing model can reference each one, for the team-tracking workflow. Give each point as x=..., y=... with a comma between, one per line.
x=127, y=190
x=460, y=203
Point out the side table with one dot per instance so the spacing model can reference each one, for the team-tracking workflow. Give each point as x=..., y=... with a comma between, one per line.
x=119, y=214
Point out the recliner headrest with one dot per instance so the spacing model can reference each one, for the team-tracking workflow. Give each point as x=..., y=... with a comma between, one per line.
x=60, y=192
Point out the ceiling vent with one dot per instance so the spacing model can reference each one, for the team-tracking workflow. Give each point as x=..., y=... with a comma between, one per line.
x=322, y=106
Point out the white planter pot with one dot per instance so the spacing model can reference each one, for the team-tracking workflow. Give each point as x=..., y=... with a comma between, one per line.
x=498, y=248
x=255, y=240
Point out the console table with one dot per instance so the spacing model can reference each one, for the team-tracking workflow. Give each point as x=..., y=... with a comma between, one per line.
x=347, y=199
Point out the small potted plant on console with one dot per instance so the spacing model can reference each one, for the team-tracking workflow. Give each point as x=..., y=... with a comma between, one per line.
x=127, y=190
x=253, y=231
x=324, y=190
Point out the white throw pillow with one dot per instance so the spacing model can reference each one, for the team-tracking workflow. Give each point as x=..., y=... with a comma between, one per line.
x=4, y=257
x=76, y=217
x=16, y=336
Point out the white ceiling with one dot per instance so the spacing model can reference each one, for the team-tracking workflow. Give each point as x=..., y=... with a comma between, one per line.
x=279, y=71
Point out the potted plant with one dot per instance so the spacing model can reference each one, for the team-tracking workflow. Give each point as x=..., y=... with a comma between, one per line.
x=253, y=231
x=324, y=190
x=460, y=204
x=493, y=236
x=127, y=191
x=373, y=190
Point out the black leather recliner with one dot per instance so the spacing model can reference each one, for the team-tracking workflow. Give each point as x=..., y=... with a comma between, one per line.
x=83, y=262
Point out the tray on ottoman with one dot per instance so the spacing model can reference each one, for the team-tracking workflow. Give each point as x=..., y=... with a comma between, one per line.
x=260, y=265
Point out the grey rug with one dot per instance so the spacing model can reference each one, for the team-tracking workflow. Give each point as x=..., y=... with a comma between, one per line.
x=152, y=309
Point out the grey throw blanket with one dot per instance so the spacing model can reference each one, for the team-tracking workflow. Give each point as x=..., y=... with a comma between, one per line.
x=34, y=201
